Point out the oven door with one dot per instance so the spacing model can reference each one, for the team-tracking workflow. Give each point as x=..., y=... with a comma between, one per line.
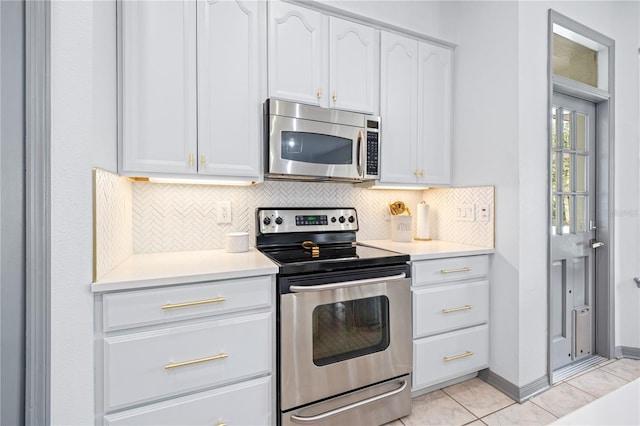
x=338, y=337
x=300, y=148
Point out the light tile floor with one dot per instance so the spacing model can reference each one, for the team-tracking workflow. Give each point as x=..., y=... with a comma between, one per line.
x=476, y=403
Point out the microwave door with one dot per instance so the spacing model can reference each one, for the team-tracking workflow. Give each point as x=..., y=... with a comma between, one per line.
x=312, y=149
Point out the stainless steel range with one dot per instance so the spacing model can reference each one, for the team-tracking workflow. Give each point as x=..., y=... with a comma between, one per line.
x=344, y=319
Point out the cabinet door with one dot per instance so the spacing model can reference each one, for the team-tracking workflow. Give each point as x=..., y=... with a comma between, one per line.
x=434, y=114
x=231, y=81
x=354, y=55
x=298, y=54
x=398, y=105
x=158, y=86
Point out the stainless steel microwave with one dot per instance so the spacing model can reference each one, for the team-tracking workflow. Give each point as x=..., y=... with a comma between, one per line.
x=305, y=142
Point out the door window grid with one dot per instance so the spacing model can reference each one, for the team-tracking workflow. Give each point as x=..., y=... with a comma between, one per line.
x=569, y=172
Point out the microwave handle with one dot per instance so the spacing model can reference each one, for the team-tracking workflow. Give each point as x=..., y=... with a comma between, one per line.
x=360, y=155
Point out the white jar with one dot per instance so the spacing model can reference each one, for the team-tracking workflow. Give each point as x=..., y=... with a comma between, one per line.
x=236, y=242
x=401, y=229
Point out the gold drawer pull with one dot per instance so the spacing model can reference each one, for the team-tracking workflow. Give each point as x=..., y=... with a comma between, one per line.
x=221, y=423
x=461, y=308
x=195, y=303
x=195, y=361
x=451, y=271
x=453, y=358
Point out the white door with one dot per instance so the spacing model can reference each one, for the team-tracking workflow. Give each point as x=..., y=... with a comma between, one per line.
x=298, y=54
x=353, y=50
x=398, y=108
x=159, y=86
x=572, y=235
x=434, y=114
x=231, y=81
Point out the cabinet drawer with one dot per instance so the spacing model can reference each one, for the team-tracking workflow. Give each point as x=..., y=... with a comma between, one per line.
x=248, y=403
x=437, y=309
x=450, y=269
x=142, y=366
x=144, y=307
x=446, y=356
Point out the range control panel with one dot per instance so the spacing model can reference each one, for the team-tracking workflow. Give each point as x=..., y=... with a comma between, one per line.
x=282, y=220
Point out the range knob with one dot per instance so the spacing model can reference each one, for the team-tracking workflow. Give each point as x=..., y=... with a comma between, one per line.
x=352, y=219
x=333, y=219
x=266, y=220
x=341, y=219
x=278, y=220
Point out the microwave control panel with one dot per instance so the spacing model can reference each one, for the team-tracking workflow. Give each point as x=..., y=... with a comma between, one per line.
x=373, y=146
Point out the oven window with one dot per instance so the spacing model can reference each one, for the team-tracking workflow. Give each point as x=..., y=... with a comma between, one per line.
x=316, y=148
x=350, y=329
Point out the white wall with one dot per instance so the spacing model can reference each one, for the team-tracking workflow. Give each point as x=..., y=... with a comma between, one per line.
x=500, y=121
x=619, y=21
x=82, y=116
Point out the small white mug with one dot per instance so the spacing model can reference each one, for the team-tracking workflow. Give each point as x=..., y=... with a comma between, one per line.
x=236, y=242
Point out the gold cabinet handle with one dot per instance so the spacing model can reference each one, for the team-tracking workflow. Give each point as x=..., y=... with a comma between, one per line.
x=451, y=271
x=415, y=172
x=190, y=160
x=172, y=365
x=194, y=303
x=461, y=308
x=221, y=423
x=422, y=173
x=203, y=160
x=335, y=96
x=319, y=93
x=453, y=358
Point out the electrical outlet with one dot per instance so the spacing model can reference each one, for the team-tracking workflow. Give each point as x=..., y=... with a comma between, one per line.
x=484, y=214
x=223, y=212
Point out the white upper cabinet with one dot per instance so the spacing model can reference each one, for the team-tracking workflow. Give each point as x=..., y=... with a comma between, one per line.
x=230, y=88
x=434, y=113
x=415, y=100
x=353, y=65
x=158, y=86
x=193, y=83
x=321, y=60
x=298, y=54
x=398, y=109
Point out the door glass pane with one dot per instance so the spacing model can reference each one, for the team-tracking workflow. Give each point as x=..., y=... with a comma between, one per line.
x=554, y=171
x=581, y=213
x=350, y=329
x=581, y=132
x=554, y=215
x=554, y=127
x=581, y=173
x=566, y=172
x=316, y=148
x=567, y=208
x=567, y=129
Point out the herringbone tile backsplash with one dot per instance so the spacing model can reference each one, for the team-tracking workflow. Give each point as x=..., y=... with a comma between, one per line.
x=141, y=217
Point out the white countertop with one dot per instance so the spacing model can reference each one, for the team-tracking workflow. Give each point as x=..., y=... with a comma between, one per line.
x=158, y=269
x=424, y=250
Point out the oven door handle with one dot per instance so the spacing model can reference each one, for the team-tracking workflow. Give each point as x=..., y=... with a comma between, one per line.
x=319, y=417
x=344, y=284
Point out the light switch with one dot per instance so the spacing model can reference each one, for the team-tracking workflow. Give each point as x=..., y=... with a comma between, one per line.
x=464, y=212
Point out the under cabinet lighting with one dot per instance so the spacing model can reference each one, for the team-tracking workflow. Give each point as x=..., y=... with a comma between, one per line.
x=197, y=181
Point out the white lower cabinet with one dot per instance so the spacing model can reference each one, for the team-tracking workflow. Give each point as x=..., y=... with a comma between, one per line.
x=247, y=403
x=450, y=319
x=187, y=354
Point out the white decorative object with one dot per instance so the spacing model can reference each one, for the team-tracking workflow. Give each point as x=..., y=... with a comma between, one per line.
x=236, y=242
x=401, y=229
x=422, y=222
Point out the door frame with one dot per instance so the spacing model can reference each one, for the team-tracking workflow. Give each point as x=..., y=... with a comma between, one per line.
x=38, y=211
x=604, y=343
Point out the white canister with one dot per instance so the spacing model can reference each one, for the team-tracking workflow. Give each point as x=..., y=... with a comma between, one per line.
x=236, y=242
x=401, y=228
